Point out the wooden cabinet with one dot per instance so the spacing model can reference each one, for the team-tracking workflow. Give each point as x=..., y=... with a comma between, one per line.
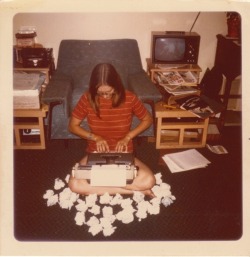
x=176, y=128
x=31, y=119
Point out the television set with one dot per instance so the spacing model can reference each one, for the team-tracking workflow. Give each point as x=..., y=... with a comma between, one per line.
x=175, y=47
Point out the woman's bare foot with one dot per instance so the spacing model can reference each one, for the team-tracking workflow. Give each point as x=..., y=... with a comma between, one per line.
x=149, y=193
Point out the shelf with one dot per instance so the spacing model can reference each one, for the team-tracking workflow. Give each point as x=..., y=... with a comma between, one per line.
x=28, y=125
x=154, y=68
x=186, y=125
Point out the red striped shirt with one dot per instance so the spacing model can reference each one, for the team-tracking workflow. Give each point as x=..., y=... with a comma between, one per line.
x=114, y=123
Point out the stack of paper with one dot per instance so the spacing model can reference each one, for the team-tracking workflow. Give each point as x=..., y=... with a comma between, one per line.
x=185, y=160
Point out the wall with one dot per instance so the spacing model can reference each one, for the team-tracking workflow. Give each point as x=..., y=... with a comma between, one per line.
x=53, y=27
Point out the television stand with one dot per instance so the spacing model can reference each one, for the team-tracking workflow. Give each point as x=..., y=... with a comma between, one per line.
x=177, y=128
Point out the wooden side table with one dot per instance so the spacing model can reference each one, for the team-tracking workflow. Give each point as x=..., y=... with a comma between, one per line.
x=178, y=128
x=38, y=114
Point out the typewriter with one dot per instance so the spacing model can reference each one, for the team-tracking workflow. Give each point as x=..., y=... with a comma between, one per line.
x=107, y=169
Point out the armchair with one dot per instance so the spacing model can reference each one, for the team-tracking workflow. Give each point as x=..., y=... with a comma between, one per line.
x=76, y=59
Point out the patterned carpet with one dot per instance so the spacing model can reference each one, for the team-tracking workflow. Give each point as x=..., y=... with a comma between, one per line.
x=208, y=203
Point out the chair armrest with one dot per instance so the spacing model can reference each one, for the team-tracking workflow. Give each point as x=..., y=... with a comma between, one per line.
x=59, y=90
x=143, y=87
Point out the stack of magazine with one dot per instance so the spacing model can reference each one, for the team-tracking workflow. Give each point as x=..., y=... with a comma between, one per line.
x=177, y=83
x=185, y=160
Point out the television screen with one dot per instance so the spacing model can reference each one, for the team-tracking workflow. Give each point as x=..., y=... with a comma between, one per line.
x=169, y=49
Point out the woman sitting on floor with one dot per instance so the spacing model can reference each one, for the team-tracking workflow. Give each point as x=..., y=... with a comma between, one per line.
x=109, y=109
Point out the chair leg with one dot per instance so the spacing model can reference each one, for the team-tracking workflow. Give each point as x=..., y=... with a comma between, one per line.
x=51, y=106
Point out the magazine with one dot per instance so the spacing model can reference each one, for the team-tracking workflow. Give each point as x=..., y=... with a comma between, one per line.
x=173, y=78
x=188, y=77
x=201, y=106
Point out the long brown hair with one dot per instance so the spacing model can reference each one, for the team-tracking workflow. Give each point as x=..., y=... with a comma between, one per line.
x=105, y=74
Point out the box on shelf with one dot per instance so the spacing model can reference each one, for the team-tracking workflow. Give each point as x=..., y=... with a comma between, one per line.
x=36, y=57
x=27, y=90
x=25, y=39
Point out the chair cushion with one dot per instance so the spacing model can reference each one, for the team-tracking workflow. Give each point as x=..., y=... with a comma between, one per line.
x=81, y=75
x=76, y=94
x=122, y=70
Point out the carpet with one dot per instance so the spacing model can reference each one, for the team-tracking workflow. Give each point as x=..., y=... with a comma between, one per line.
x=208, y=203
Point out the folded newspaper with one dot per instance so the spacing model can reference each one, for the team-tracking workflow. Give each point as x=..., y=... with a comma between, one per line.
x=218, y=149
x=185, y=160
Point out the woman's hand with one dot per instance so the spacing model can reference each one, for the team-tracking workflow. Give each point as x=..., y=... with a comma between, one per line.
x=101, y=145
x=122, y=145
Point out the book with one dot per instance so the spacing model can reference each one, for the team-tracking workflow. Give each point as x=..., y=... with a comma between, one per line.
x=185, y=160
x=200, y=105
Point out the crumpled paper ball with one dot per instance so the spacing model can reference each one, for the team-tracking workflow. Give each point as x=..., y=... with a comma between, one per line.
x=91, y=200
x=105, y=198
x=125, y=216
x=52, y=200
x=93, y=221
x=48, y=194
x=138, y=196
x=51, y=197
x=58, y=184
x=67, y=198
x=95, y=229
x=166, y=201
x=116, y=200
x=80, y=218
x=153, y=209
x=96, y=209
x=158, y=179
x=67, y=178
x=81, y=206
x=126, y=203
x=107, y=211
x=109, y=231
